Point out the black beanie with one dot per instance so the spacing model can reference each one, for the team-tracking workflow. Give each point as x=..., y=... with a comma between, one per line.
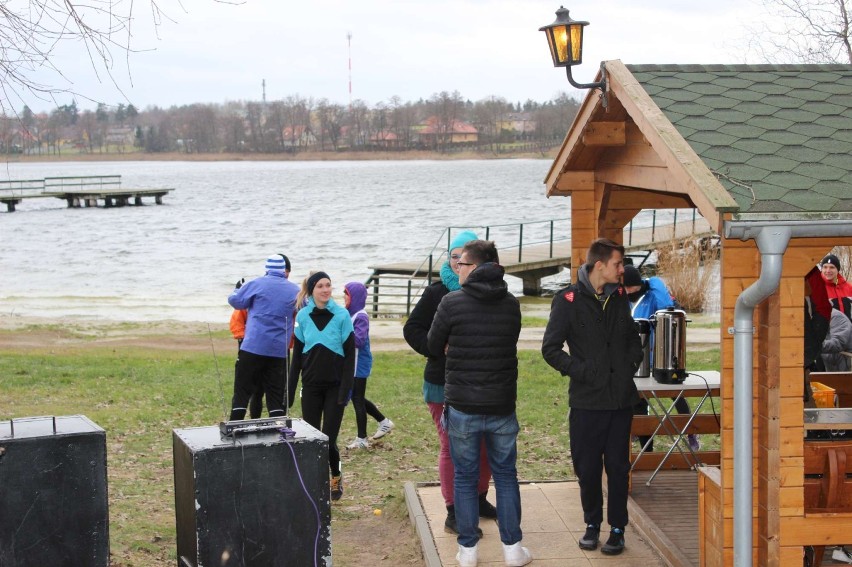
x=314, y=279
x=631, y=276
x=831, y=259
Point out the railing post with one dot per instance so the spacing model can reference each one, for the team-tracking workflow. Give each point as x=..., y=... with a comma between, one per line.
x=487, y=233
x=653, y=224
x=551, y=238
x=375, y=298
x=408, y=300
x=429, y=273
x=674, y=225
x=520, y=242
x=694, y=213
x=630, y=233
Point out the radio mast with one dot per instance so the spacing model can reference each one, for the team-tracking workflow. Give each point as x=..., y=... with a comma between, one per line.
x=349, y=41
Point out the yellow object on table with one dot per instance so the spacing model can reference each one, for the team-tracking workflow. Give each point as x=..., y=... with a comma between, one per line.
x=824, y=396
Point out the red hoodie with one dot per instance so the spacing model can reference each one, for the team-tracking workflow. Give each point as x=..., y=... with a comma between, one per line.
x=840, y=294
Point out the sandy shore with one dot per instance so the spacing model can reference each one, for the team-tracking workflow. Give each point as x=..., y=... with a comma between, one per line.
x=17, y=332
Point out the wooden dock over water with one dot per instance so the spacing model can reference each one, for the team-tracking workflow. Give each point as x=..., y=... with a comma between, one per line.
x=396, y=286
x=77, y=192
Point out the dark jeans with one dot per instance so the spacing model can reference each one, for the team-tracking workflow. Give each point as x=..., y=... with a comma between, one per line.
x=681, y=406
x=321, y=410
x=255, y=371
x=363, y=407
x=600, y=439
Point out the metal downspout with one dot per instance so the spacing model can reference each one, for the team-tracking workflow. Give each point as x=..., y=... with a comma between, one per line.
x=772, y=242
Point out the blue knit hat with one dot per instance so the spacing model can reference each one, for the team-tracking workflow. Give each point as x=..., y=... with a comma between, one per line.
x=276, y=263
x=463, y=238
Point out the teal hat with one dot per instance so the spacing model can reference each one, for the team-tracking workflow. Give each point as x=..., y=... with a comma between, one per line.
x=463, y=238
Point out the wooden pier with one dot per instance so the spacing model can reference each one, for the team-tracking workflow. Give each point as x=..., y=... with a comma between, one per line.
x=397, y=286
x=77, y=192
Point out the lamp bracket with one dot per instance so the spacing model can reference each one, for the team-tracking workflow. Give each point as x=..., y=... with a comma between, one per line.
x=599, y=85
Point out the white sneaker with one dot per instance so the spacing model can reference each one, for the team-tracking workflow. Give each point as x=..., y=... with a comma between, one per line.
x=467, y=556
x=359, y=443
x=385, y=427
x=516, y=555
x=840, y=554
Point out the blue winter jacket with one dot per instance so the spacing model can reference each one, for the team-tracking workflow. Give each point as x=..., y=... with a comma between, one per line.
x=657, y=297
x=271, y=303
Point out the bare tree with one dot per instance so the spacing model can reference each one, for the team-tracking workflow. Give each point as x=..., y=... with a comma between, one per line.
x=809, y=31
x=32, y=31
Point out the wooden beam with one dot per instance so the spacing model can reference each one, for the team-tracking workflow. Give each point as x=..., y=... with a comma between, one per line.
x=628, y=198
x=605, y=134
x=643, y=177
x=572, y=181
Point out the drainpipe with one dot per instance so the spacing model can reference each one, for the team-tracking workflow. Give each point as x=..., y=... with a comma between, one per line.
x=772, y=242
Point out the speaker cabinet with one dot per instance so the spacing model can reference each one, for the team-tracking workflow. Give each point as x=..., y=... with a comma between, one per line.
x=252, y=499
x=53, y=493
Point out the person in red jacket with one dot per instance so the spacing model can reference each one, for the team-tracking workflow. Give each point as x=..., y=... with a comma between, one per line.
x=838, y=289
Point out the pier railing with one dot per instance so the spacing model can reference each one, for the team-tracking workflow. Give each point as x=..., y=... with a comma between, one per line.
x=526, y=246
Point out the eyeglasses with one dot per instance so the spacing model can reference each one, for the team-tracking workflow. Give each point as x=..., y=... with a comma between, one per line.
x=464, y=264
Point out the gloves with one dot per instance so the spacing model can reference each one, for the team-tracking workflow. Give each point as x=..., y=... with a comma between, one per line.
x=240, y=283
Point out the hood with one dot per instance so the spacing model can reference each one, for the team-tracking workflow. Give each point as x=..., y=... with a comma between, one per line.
x=357, y=296
x=586, y=285
x=486, y=282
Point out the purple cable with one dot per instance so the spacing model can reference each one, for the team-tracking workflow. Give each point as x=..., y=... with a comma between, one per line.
x=284, y=437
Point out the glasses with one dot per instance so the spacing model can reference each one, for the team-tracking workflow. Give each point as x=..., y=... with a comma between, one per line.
x=464, y=264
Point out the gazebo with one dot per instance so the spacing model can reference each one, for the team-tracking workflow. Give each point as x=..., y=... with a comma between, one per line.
x=764, y=153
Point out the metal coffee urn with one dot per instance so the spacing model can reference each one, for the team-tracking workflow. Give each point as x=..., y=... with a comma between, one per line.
x=643, y=327
x=670, y=346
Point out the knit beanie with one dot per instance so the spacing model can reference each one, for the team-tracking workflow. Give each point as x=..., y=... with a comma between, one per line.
x=314, y=280
x=631, y=276
x=833, y=260
x=463, y=238
x=277, y=263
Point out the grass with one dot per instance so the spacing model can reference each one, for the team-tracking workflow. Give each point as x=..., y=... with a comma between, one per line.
x=139, y=395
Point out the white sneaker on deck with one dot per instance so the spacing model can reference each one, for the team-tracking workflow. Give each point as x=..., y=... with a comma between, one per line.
x=467, y=556
x=516, y=555
x=840, y=554
x=385, y=427
x=359, y=443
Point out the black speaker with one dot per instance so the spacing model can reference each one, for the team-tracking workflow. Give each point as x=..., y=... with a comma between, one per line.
x=53, y=493
x=252, y=499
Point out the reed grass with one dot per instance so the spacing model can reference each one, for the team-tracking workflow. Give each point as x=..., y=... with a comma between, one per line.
x=688, y=269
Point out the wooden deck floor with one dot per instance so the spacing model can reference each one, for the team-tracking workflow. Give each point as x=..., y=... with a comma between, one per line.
x=667, y=514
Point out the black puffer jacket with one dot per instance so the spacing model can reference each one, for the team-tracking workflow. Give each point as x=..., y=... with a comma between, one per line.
x=417, y=328
x=605, y=348
x=479, y=325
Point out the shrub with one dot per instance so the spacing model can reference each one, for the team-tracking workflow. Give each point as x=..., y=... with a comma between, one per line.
x=688, y=266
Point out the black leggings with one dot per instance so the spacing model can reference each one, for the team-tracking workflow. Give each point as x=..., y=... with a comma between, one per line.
x=363, y=406
x=255, y=371
x=321, y=410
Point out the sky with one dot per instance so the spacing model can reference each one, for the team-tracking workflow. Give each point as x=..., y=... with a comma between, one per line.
x=209, y=51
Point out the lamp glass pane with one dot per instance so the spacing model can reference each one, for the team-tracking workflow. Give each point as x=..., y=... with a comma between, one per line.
x=576, y=44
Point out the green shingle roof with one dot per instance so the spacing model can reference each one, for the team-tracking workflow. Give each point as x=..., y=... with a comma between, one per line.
x=778, y=137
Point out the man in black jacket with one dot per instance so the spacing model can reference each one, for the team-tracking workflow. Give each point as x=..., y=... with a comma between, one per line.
x=477, y=328
x=593, y=318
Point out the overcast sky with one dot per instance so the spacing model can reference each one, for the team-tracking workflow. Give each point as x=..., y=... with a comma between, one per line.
x=215, y=52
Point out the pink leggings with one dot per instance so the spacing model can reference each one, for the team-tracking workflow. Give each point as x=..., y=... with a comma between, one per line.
x=446, y=471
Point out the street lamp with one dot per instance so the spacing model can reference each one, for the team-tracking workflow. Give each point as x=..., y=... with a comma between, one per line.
x=565, y=37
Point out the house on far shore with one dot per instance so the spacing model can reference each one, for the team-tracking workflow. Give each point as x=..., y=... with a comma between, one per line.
x=435, y=132
x=519, y=125
x=764, y=153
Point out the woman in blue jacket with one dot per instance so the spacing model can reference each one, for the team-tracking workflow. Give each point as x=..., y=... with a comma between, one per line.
x=324, y=355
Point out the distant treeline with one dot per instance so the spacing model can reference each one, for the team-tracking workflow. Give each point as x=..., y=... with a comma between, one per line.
x=446, y=122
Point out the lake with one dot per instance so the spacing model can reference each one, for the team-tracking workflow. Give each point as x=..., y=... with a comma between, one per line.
x=180, y=260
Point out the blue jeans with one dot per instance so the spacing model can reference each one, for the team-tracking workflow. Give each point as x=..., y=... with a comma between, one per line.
x=500, y=432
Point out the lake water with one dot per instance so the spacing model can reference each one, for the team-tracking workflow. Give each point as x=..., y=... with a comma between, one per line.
x=180, y=260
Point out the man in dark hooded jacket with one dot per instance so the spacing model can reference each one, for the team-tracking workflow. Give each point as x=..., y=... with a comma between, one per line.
x=478, y=328
x=593, y=317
